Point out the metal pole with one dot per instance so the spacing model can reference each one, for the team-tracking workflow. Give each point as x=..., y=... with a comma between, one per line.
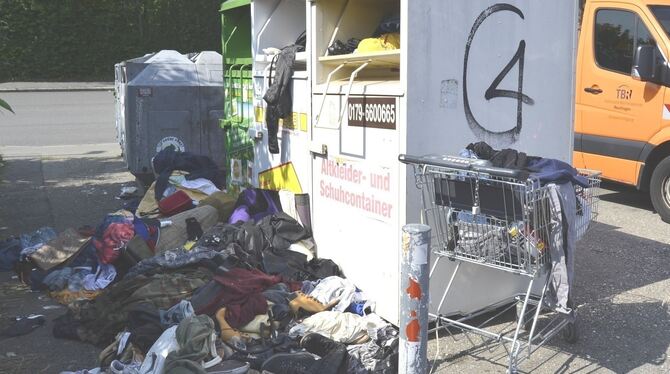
x=414, y=281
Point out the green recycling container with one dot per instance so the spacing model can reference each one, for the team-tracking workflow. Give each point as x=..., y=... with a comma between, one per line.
x=238, y=92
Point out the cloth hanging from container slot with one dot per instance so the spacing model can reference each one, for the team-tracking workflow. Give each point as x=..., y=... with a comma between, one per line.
x=279, y=94
x=169, y=160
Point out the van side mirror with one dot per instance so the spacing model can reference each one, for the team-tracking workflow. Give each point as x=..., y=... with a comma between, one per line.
x=650, y=66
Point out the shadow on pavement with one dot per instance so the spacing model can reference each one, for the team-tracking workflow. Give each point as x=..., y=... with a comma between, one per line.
x=62, y=193
x=626, y=195
x=622, y=287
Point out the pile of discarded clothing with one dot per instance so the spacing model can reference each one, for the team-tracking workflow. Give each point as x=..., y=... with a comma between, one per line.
x=194, y=280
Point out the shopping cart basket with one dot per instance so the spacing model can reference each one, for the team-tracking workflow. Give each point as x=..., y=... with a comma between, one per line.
x=506, y=220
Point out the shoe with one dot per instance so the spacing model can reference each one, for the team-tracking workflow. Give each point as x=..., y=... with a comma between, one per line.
x=299, y=301
x=229, y=367
x=229, y=334
x=334, y=357
x=290, y=363
x=319, y=344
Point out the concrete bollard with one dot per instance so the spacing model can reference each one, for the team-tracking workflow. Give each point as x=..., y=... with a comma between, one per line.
x=414, y=282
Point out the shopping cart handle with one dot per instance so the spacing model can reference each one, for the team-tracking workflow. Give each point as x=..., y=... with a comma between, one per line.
x=407, y=159
x=462, y=164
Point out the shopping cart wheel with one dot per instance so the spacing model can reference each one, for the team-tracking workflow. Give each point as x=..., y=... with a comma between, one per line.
x=569, y=333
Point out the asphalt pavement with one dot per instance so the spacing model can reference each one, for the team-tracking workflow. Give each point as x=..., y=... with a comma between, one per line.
x=58, y=118
x=63, y=169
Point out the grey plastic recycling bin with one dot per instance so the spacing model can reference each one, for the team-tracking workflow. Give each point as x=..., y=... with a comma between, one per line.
x=169, y=99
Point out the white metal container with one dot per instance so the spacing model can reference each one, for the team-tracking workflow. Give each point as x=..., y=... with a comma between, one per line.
x=466, y=71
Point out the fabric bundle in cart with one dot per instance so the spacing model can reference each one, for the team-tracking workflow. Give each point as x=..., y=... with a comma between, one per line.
x=508, y=210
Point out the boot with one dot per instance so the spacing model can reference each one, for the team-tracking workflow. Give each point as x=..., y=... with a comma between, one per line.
x=300, y=301
x=334, y=357
x=229, y=334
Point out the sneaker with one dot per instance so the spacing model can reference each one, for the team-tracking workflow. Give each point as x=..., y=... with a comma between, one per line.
x=230, y=367
x=290, y=363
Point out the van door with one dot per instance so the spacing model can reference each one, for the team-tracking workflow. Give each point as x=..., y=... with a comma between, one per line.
x=618, y=114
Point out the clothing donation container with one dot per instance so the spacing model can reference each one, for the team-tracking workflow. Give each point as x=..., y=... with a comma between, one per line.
x=280, y=25
x=460, y=72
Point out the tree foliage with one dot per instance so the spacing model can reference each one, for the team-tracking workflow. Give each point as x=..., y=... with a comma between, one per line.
x=81, y=40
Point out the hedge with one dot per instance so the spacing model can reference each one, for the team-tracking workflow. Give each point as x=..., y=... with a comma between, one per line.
x=81, y=40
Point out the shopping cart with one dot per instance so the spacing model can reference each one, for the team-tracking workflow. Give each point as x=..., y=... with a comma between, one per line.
x=506, y=220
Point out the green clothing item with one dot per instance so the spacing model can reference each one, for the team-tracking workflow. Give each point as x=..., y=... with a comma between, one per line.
x=102, y=318
x=194, y=336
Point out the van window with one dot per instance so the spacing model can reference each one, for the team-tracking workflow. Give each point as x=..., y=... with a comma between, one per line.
x=618, y=33
x=662, y=14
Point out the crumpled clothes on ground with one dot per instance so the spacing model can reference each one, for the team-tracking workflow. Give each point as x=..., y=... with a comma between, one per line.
x=154, y=362
x=148, y=206
x=174, y=259
x=379, y=356
x=121, y=351
x=67, y=297
x=195, y=337
x=33, y=241
x=223, y=202
x=99, y=320
x=332, y=288
x=176, y=314
x=197, y=166
x=341, y=327
x=144, y=325
x=115, y=238
x=102, y=278
x=10, y=252
x=21, y=325
x=240, y=291
x=85, y=371
x=254, y=204
x=58, y=250
x=70, y=278
x=199, y=184
x=175, y=235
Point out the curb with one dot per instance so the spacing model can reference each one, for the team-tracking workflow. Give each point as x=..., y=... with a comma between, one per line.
x=66, y=89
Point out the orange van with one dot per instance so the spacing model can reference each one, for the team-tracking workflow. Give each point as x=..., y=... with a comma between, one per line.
x=622, y=118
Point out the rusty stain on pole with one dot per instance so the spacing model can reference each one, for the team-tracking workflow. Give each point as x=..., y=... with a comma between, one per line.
x=414, y=276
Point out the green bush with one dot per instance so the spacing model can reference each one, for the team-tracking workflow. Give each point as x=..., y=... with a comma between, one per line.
x=81, y=40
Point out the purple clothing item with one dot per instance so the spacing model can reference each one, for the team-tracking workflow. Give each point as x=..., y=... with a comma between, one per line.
x=254, y=204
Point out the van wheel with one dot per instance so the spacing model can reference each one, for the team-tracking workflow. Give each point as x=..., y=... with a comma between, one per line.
x=659, y=189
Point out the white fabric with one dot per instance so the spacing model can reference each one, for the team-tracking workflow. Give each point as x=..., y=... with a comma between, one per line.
x=155, y=358
x=332, y=288
x=199, y=184
x=287, y=200
x=341, y=327
x=301, y=248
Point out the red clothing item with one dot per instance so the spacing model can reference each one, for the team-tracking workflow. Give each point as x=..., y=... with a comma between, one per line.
x=240, y=292
x=115, y=238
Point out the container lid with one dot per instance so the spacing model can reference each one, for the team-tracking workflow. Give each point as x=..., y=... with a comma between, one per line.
x=232, y=4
